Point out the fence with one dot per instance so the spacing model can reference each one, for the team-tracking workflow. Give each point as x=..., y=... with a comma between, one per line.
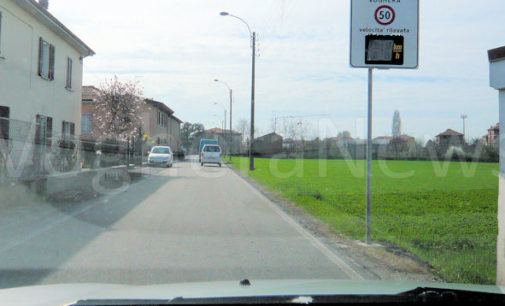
x=31, y=150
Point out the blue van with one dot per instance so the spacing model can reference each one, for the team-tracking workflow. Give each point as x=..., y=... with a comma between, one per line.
x=202, y=143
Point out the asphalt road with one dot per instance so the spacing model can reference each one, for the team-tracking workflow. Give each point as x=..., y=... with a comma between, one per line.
x=187, y=223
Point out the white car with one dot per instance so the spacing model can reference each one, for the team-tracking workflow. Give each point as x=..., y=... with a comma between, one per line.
x=211, y=154
x=160, y=156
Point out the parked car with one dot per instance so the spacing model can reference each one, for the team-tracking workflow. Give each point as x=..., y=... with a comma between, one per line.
x=211, y=154
x=204, y=142
x=160, y=156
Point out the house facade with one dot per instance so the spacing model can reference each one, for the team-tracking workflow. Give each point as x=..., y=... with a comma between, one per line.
x=493, y=135
x=450, y=138
x=268, y=144
x=41, y=66
x=160, y=125
x=89, y=98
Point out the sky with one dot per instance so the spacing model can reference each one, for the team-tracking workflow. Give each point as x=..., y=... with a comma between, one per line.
x=175, y=49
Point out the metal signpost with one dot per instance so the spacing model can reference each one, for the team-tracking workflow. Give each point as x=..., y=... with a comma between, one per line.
x=384, y=35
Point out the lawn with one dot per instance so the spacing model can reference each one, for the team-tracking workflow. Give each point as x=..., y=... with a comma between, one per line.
x=444, y=212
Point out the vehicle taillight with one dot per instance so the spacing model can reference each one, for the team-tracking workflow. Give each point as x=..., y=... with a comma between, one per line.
x=202, y=153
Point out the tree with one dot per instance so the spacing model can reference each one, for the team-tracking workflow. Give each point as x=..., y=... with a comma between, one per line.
x=397, y=125
x=344, y=134
x=243, y=128
x=185, y=135
x=118, y=110
x=191, y=132
x=197, y=130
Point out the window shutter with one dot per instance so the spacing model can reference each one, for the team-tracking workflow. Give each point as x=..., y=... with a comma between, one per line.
x=41, y=45
x=69, y=72
x=37, y=129
x=63, y=128
x=51, y=62
x=72, y=129
x=49, y=131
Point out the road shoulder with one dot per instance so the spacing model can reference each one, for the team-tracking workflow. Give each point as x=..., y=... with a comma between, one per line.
x=385, y=262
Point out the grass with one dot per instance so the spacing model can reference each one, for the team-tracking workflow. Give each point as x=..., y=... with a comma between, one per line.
x=444, y=212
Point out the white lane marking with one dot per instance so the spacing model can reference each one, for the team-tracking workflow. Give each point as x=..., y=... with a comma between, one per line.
x=353, y=274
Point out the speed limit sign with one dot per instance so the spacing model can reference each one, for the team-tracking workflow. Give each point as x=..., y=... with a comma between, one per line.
x=384, y=33
x=385, y=15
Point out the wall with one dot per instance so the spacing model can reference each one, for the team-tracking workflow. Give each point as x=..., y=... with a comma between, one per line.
x=23, y=90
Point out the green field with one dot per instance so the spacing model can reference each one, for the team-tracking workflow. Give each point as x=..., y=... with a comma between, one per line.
x=444, y=212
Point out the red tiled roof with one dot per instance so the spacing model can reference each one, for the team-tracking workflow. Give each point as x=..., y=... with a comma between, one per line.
x=450, y=132
x=160, y=105
x=383, y=137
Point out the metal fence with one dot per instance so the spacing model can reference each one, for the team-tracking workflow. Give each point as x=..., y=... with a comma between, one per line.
x=31, y=150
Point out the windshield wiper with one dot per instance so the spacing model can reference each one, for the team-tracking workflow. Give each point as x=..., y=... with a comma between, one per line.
x=419, y=295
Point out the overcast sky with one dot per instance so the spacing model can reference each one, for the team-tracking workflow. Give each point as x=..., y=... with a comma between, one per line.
x=175, y=49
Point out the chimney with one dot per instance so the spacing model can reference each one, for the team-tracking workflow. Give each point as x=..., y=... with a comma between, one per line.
x=44, y=4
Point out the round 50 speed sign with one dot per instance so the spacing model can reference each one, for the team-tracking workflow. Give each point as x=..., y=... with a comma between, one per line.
x=385, y=15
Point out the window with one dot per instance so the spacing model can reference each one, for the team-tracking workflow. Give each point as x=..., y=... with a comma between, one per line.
x=69, y=73
x=67, y=129
x=86, y=127
x=46, y=59
x=4, y=122
x=44, y=130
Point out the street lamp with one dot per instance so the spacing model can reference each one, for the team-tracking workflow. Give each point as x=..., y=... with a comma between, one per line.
x=252, y=36
x=230, y=152
x=464, y=126
x=223, y=127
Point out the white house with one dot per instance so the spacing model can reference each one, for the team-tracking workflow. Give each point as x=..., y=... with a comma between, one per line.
x=41, y=66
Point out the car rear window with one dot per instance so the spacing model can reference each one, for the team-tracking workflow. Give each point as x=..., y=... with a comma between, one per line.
x=212, y=149
x=161, y=150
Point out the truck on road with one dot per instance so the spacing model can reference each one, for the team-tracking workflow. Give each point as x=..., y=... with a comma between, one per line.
x=204, y=142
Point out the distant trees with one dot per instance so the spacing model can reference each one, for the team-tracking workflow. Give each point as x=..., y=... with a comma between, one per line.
x=191, y=132
x=344, y=134
x=243, y=127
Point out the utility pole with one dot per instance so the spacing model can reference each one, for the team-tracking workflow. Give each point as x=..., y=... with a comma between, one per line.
x=252, y=36
x=369, y=160
x=231, y=131
x=251, y=156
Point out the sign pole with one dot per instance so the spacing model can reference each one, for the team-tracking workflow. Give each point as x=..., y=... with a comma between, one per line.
x=369, y=160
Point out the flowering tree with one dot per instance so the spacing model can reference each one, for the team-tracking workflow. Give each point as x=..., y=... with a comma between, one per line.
x=117, y=112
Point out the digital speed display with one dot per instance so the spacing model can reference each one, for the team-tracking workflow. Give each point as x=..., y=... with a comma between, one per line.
x=384, y=49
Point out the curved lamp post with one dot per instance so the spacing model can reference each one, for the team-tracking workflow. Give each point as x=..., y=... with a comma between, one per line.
x=252, y=36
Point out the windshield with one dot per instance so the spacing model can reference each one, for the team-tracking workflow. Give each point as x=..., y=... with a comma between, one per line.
x=211, y=149
x=161, y=151
x=304, y=140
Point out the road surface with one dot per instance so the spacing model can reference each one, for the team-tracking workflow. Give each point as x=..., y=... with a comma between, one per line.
x=187, y=223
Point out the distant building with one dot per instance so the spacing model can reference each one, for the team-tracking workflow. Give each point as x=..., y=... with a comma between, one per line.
x=493, y=135
x=89, y=96
x=268, y=144
x=382, y=140
x=450, y=138
x=223, y=138
x=343, y=141
x=159, y=125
